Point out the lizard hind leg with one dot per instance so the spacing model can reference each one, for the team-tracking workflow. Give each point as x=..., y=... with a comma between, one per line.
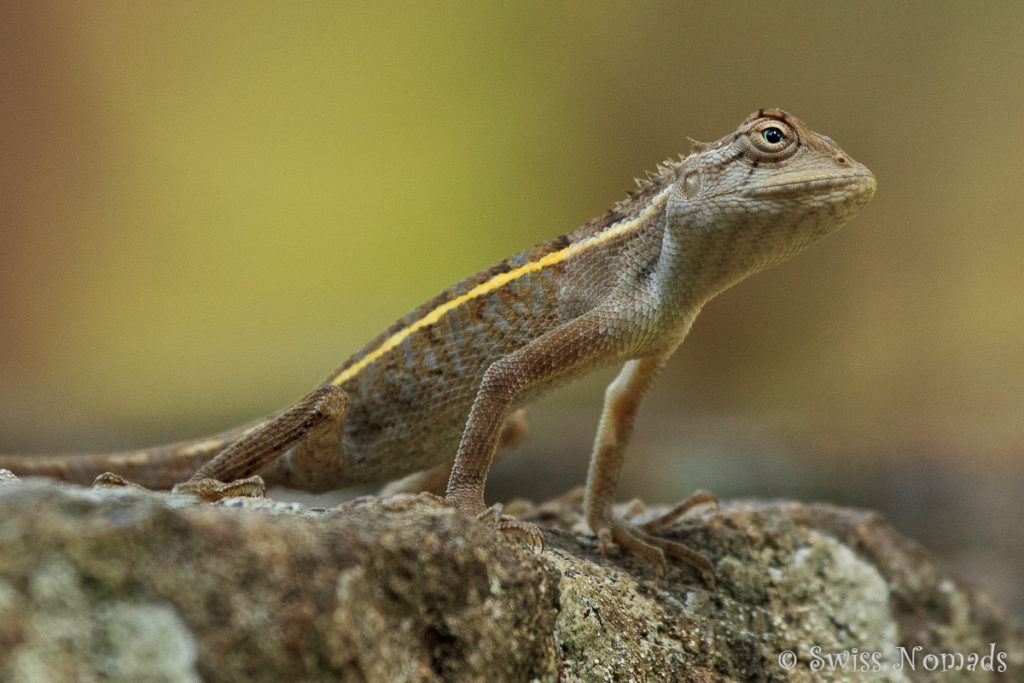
x=310, y=427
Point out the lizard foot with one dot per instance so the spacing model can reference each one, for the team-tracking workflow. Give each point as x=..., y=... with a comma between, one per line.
x=641, y=540
x=510, y=525
x=109, y=480
x=211, y=490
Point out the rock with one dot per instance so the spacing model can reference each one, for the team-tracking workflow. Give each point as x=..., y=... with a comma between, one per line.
x=129, y=584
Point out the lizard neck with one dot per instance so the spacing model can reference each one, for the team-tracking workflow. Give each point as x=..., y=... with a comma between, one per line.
x=690, y=269
x=707, y=247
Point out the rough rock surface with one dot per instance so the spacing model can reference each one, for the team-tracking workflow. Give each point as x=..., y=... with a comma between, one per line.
x=135, y=585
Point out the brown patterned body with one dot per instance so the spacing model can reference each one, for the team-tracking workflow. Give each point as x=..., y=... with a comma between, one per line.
x=447, y=359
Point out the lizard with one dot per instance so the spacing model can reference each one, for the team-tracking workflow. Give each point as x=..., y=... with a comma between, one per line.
x=433, y=391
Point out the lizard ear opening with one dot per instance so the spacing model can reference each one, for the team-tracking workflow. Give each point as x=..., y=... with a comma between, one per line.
x=691, y=184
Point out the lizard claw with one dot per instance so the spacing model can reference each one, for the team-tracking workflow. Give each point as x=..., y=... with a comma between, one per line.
x=527, y=531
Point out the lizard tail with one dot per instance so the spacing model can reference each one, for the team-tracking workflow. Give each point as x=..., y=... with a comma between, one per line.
x=157, y=467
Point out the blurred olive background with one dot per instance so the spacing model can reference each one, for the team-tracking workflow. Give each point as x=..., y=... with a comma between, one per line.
x=204, y=208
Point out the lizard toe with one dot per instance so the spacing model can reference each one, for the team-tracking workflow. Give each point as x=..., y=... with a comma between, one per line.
x=635, y=539
x=698, y=499
x=508, y=525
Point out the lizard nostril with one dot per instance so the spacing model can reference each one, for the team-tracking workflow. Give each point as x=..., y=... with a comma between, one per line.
x=841, y=160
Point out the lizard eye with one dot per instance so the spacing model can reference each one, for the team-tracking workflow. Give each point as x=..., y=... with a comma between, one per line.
x=773, y=135
x=772, y=140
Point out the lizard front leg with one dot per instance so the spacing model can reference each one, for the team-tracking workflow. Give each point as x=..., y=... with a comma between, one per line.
x=434, y=480
x=622, y=399
x=562, y=351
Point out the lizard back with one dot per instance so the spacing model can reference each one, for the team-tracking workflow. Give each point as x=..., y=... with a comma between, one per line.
x=442, y=348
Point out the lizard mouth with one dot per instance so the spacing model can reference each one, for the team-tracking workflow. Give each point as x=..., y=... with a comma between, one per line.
x=854, y=184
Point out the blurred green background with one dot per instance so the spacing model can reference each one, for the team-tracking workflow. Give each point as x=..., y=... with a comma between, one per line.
x=204, y=208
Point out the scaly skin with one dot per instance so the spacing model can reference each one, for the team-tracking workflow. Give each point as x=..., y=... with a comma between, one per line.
x=622, y=289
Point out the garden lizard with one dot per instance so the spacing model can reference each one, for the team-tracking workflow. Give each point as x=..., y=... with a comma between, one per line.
x=622, y=289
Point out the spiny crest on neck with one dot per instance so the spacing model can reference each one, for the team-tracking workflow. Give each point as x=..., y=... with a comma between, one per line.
x=651, y=184
x=665, y=173
x=648, y=187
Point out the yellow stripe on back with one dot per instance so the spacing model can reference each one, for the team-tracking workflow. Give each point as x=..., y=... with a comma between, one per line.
x=500, y=280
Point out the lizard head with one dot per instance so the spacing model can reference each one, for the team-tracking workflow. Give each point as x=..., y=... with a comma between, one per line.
x=760, y=195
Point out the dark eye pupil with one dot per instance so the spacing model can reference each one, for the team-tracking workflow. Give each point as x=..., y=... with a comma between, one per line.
x=773, y=136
